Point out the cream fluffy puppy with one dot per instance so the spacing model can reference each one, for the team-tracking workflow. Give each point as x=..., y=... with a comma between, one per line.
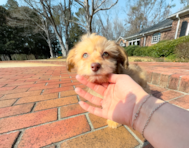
x=95, y=57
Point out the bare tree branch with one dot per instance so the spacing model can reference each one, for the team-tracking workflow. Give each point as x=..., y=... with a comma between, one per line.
x=100, y=9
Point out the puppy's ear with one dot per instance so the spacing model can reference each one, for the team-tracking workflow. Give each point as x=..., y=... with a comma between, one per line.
x=123, y=58
x=70, y=62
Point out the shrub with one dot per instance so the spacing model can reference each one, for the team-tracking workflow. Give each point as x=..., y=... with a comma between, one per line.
x=182, y=50
x=130, y=49
x=162, y=49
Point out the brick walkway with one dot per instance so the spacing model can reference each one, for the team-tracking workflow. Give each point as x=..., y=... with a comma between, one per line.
x=39, y=108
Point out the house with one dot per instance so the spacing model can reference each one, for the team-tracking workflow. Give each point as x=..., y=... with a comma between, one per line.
x=175, y=26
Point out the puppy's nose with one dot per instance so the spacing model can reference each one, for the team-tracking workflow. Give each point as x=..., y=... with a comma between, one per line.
x=95, y=67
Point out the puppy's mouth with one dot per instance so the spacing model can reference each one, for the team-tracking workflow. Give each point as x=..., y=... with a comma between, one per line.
x=97, y=78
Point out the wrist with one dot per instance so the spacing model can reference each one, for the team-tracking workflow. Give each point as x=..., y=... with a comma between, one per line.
x=145, y=111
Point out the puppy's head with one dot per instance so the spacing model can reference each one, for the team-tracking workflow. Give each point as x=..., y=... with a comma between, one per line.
x=96, y=57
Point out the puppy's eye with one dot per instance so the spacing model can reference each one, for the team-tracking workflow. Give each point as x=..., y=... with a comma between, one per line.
x=105, y=55
x=85, y=55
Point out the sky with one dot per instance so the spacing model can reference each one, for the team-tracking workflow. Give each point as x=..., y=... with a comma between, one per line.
x=122, y=6
x=121, y=2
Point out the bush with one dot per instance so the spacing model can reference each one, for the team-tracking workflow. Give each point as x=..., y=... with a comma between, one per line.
x=130, y=49
x=182, y=51
x=162, y=49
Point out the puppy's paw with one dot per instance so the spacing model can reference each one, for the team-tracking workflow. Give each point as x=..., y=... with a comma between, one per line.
x=113, y=124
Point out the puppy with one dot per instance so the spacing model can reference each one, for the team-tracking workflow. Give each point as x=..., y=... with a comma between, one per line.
x=95, y=57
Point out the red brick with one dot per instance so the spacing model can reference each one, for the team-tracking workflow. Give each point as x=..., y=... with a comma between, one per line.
x=19, y=95
x=6, y=103
x=70, y=84
x=67, y=93
x=184, y=84
x=7, y=140
x=27, y=120
x=182, y=102
x=149, y=76
x=54, y=132
x=16, y=90
x=155, y=89
x=47, y=91
x=44, y=87
x=137, y=134
x=47, y=81
x=156, y=78
x=164, y=80
x=59, y=82
x=55, y=103
x=17, y=83
x=37, y=98
x=71, y=110
x=7, y=88
x=103, y=138
x=97, y=121
x=15, y=110
x=174, y=81
x=31, y=85
x=168, y=95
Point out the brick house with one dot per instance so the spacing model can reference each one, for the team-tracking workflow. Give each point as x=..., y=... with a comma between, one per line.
x=175, y=26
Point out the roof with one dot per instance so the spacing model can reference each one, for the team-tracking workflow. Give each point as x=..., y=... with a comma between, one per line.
x=161, y=26
x=157, y=27
x=180, y=13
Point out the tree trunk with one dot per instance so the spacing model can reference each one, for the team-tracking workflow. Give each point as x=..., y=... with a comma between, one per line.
x=60, y=42
x=49, y=43
x=66, y=38
x=89, y=27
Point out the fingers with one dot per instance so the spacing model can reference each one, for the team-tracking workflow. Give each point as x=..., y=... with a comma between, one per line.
x=89, y=97
x=96, y=87
x=91, y=109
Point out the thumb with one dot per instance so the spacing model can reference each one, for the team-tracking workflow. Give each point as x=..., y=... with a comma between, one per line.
x=113, y=78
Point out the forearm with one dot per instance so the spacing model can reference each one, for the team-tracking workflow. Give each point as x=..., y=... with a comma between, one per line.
x=168, y=126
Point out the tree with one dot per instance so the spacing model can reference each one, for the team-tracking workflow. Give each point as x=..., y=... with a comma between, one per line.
x=145, y=13
x=11, y=5
x=185, y=2
x=41, y=24
x=46, y=9
x=90, y=10
x=75, y=32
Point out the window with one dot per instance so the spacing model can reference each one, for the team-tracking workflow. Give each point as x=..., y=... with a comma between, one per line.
x=187, y=31
x=156, y=37
x=183, y=31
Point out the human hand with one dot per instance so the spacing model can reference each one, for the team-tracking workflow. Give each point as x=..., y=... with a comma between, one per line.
x=120, y=97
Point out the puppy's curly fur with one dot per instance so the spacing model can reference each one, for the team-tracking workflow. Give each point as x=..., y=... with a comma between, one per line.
x=95, y=57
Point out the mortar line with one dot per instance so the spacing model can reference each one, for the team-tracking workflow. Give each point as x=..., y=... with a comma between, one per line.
x=15, y=102
x=172, y=89
x=42, y=124
x=42, y=101
x=179, y=82
x=133, y=134
x=17, y=140
x=32, y=109
x=42, y=92
x=58, y=114
x=89, y=121
x=60, y=142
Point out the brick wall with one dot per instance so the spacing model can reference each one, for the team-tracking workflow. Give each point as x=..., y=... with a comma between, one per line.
x=149, y=40
x=142, y=41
